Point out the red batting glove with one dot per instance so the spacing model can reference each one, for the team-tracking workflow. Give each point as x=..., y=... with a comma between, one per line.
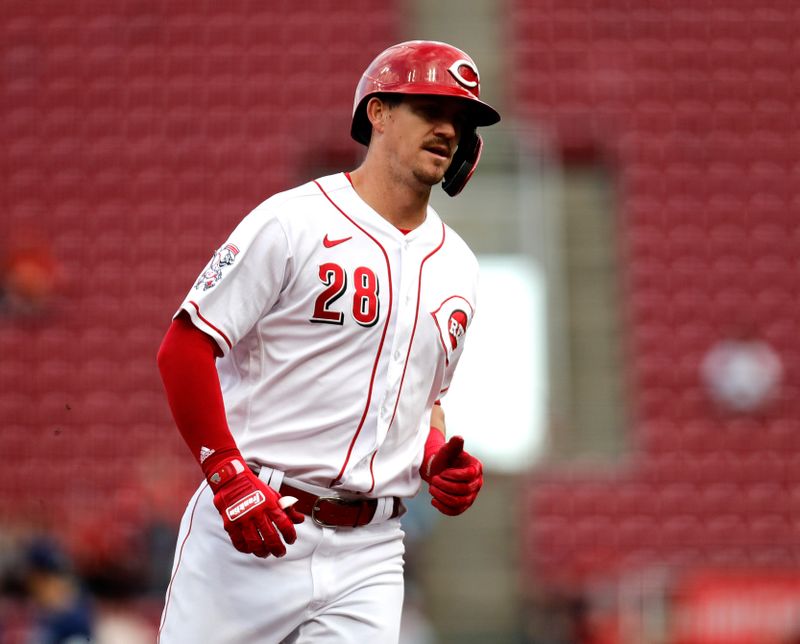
x=250, y=510
x=454, y=476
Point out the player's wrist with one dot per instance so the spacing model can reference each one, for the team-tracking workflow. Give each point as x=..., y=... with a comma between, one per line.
x=223, y=467
x=433, y=444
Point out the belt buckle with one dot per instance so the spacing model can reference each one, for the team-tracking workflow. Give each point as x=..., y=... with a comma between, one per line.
x=337, y=500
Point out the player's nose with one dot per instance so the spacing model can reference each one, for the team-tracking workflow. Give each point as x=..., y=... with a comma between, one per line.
x=445, y=128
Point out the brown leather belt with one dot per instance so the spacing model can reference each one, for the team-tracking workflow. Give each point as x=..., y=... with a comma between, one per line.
x=334, y=511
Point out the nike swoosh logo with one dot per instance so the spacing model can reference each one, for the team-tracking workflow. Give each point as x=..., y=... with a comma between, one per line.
x=330, y=243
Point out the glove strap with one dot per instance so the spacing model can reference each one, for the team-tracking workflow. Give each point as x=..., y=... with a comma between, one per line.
x=224, y=473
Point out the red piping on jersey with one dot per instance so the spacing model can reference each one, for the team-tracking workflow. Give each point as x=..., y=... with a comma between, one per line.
x=178, y=564
x=410, y=343
x=224, y=337
x=380, y=346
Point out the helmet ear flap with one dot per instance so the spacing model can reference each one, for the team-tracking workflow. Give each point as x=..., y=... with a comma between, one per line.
x=464, y=162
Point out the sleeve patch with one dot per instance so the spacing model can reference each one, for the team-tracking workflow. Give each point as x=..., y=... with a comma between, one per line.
x=452, y=319
x=221, y=259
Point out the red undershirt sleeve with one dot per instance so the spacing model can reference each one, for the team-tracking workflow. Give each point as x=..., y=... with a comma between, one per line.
x=187, y=363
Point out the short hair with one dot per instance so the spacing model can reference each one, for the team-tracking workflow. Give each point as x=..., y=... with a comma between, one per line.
x=392, y=99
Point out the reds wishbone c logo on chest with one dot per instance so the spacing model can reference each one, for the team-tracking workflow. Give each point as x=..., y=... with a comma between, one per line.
x=452, y=320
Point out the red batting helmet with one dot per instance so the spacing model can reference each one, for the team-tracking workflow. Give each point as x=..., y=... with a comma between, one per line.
x=431, y=68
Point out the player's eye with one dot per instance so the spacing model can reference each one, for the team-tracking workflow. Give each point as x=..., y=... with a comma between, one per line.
x=429, y=110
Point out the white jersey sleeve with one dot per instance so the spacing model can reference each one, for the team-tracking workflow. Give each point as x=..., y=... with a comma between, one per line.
x=242, y=280
x=454, y=315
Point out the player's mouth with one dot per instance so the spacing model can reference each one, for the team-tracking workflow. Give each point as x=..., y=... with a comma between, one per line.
x=440, y=150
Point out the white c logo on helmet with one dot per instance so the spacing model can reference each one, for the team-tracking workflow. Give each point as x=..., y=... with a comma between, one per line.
x=455, y=70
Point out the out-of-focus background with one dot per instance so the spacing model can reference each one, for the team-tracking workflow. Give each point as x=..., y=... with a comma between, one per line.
x=631, y=381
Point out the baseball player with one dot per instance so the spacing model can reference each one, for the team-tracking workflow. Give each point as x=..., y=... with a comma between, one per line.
x=305, y=367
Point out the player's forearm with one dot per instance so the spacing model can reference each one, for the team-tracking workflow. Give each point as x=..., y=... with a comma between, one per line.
x=437, y=418
x=186, y=361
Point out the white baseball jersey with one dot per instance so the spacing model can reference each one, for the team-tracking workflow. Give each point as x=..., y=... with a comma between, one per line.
x=339, y=332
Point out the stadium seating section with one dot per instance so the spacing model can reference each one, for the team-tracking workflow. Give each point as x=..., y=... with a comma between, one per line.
x=695, y=108
x=135, y=136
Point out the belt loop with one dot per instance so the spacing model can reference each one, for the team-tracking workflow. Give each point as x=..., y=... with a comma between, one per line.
x=383, y=509
x=271, y=477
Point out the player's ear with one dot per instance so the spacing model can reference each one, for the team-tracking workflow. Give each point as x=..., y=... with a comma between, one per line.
x=377, y=113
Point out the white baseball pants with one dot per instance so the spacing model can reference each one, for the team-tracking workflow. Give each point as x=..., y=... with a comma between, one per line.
x=334, y=585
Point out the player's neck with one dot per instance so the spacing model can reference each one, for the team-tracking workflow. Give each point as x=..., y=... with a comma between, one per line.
x=402, y=207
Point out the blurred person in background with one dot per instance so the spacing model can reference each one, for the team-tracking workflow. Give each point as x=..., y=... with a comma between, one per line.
x=304, y=371
x=57, y=605
x=63, y=611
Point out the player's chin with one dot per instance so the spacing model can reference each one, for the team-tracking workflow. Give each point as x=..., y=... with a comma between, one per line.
x=431, y=174
x=438, y=162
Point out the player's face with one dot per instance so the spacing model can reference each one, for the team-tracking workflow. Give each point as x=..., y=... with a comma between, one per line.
x=424, y=133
